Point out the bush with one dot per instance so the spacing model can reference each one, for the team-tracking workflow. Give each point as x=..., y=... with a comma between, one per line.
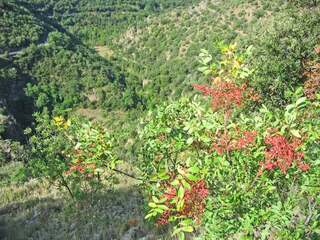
x=280, y=51
x=11, y=151
x=242, y=175
x=75, y=154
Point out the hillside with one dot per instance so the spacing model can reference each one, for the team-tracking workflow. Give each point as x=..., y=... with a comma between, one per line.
x=159, y=119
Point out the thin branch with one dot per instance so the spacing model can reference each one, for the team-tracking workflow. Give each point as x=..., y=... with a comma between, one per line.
x=127, y=174
x=64, y=182
x=308, y=219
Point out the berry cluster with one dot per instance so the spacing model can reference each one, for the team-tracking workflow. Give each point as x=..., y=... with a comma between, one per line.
x=282, y=154
x=194, y=202
x=225, y=95
x=81, y=167
x=224, y=143
x=247, y=138
x=75, y=168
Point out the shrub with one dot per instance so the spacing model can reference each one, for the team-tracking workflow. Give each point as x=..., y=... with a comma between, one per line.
x=279, y=53
x=76, y=154
x=255, y=173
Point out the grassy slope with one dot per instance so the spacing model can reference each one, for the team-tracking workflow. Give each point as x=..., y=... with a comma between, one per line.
x=37, y=210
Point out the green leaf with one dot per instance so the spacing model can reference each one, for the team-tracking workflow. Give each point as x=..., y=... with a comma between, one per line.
x=150, y=215
x=190, y=141
x=186, y=184
x=203, y=51
x=194, y=169
x=203, y=69
x=162, y=200
x=181, y=236
x=300, y=101
x=180, y=204
x=188, y=229
x=175, y=182
x=192, y=177
x=290, y=107
x=295, y=133
x=181, y=192
x=163, y=207
x=176, y=231
x=186, y=222
x=158, y=210
x=155, y=199
x=152, y=205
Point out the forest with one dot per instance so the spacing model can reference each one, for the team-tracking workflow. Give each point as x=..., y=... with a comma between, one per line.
x=160, y=119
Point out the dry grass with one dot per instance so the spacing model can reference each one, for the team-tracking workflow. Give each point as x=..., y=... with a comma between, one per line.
x=91, y=114
x=37, y=210
x=104, y=51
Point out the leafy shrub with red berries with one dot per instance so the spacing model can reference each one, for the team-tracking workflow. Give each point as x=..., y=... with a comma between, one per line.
x=227, y=167
x=74, y=154
x=216, y=170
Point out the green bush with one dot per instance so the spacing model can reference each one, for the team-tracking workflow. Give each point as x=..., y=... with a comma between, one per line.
x=280, y=51
x=78, y=155
x=245, y=175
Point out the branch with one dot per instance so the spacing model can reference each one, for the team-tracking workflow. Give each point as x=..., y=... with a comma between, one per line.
x=64, y=182
x=309, y=217
x=127, y=174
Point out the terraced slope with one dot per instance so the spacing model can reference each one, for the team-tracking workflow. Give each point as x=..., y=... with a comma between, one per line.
x=161, y=53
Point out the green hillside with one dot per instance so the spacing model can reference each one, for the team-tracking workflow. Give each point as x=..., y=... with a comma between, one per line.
x=20, y=28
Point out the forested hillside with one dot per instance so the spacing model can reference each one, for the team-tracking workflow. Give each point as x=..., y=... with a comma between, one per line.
x=159, y=119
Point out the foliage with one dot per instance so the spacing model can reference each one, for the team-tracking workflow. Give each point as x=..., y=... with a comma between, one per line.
x=96, y=22
x=19, y=27
x=11, y=151
x=280, y=52
x=236, y=156
x=78, y=155
x=242, y=166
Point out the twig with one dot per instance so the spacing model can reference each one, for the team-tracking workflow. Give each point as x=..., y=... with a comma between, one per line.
x=310, y=212
x=127, y=174
x=67, y=186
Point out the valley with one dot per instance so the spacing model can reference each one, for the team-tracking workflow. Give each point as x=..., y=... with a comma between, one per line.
x=159, y=119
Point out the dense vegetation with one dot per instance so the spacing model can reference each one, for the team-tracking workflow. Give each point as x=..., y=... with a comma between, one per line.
x=102, y=101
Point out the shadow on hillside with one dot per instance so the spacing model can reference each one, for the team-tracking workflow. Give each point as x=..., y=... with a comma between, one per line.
x=114, y=214
x=18, y=106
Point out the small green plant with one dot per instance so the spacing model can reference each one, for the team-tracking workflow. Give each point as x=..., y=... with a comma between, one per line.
x=78, y=155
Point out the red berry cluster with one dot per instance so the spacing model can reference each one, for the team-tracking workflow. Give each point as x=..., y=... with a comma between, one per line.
x=222, y=144
x=282, y=154
x=247, y=138
x=194, y=202
x=225, y=95
x=225, y=144
x=82, y=168
x=75, y=168
x=164, y=218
